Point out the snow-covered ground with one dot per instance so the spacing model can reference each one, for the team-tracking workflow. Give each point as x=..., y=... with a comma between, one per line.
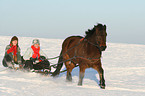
x=124, y=66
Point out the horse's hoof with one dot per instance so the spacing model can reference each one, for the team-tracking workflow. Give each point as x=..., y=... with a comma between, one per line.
x=79, y=84
x=102, y=87
x=68, y=80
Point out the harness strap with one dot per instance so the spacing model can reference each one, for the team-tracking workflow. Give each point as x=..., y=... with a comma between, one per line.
x=87, y=58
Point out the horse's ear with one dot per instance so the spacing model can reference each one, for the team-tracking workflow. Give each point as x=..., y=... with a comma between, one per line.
x=86, y=32
x=95, y=26
x=89, y=30
x=105, y=27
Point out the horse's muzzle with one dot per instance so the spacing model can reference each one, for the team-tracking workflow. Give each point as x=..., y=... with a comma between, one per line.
x=103, y=48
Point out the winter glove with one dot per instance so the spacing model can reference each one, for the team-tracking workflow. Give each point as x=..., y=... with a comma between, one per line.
x=42, y=58
x=33, y=59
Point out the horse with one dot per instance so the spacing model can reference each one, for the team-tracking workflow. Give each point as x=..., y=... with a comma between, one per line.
x=86, y=52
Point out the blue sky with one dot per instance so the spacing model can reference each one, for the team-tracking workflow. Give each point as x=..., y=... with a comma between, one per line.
x=125, y=19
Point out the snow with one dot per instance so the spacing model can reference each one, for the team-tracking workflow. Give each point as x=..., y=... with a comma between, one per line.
x=123, y=65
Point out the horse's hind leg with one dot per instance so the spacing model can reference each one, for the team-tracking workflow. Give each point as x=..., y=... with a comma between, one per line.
x=69, y=66
x=100, y=70
x=81, y=75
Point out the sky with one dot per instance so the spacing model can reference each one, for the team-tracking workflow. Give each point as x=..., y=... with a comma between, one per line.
x=58, y=19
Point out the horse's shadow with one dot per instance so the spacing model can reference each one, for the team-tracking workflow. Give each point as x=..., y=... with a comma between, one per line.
x=89, y=74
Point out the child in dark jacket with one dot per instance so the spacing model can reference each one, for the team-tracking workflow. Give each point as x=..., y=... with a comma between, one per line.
x=12, y=54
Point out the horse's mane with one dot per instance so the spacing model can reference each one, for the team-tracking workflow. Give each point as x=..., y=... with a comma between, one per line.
x=90, y=32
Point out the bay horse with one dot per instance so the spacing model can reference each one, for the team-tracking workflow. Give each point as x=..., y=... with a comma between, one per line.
x=86, y=52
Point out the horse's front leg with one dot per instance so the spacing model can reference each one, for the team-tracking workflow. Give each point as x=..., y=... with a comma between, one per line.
x=102, y=80
x=81, y=76
x=100, y=70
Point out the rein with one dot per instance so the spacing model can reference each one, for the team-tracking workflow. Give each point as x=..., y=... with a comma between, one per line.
x=87, y=58
x=74, y=57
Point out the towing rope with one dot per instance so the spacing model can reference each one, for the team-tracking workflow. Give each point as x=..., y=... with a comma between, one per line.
x=53, y=58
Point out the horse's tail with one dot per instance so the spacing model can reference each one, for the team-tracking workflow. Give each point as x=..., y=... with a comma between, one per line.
x=59, y=65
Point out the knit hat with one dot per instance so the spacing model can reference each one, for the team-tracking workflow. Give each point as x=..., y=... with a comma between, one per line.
x=36, y=41
x=13, y=38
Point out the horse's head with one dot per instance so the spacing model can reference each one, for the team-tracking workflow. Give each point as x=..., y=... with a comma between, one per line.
x=100, y=36
x=97, y=36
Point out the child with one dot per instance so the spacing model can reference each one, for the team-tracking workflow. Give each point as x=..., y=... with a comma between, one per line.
x=35, y=58
x=12, y=54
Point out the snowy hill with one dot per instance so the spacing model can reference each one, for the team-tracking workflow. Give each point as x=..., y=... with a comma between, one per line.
x=124, y=66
